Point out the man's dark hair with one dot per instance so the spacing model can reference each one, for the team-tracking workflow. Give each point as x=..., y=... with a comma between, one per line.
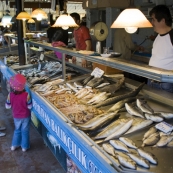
x=76, y=16
x=162, y=12
x=61, y=35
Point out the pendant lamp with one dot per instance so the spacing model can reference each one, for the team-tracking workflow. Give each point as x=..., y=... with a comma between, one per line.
x=39, y=14
x=6, y=20
x=65, y=21
x=23, y=16
x=131, y=19
x=31, y=21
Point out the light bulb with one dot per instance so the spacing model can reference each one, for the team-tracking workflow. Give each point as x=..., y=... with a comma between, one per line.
x=39, y=17
x=65, y=27
x=131, y=30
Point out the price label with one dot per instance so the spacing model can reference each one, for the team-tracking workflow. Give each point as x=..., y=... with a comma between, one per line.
x=97, y=73
x=39, y=66
x=41, y=56
x=164, y=127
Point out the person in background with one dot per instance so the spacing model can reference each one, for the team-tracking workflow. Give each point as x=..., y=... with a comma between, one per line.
x=20, y=102
x=162, y=51
x=82, y=37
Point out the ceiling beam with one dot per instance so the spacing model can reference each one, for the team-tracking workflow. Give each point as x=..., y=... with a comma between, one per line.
x=33, y=4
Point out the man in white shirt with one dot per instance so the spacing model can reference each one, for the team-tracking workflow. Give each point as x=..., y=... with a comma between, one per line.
x=162, y=52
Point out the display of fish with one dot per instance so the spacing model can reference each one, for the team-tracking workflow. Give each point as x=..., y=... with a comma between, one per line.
x=128, y=142
x=113, y=87
x=149, y=132
x=134, y=111
x=150, y=157
x=121, y=104
x=120, y=131
x=139, y=126
x=110, y=129
x=109, y=149
x=154, y=118
x=126, y=162
x=120, y=97
x=95, y=82
x=85, y=81
x=164, y=140
x=139, y=160
x=142, y=104
x=98, y=121
x=119, y=145
x=98, y=98
x=152, y=139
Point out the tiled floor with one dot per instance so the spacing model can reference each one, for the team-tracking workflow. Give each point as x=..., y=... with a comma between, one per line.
x=38, y=159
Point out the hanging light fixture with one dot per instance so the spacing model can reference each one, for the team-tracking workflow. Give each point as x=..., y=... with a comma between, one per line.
x=65, y=21
x=131, y=19
x=6, y=20
x=23, y=15
x=31, y=21
x=39, y=14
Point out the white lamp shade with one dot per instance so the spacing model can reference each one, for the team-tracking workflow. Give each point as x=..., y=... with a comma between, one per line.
x=65, y=21
x=6, y=20
x=131, y=17
x=39, y=14
x=23, y=16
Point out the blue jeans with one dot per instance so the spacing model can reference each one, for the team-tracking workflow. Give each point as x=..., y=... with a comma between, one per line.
x=161, y=85
x=21, y=132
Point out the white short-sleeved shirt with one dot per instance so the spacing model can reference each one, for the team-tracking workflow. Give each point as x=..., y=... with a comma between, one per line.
x=162, y=52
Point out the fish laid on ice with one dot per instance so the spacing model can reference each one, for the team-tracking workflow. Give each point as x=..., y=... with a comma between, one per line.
x=110, y=129
x=77, y=84
x=119, y=145
x=121, y=104
x=95, y=82
x=166, y=115
x=109, y=149
x=120, y=131
x=152, y=139
x=150, y=157
x=133, y=111
x=71, y=86
x=126, y=162
x=83, y=94
x=144, y=106
x=98, y=121
x=149, y=132
x=85, y=81
x=102, y=85
x=139, y=126
x=154, y=118
x=128, y=142
x=164, y=140
x=120, y=97
x=139, y=160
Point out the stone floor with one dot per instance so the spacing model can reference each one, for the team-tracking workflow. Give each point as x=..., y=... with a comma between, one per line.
x=38, y=159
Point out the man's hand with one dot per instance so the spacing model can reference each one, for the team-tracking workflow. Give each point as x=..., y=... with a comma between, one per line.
x=84, y=63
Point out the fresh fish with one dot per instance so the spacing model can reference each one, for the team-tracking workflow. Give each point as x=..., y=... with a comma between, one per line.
x=99, y=97
x=71, y=86
x=112, y=128
x=149, y=132
x=119, y=145
x=77, y=84
x=113, y=87
x=154, y=118
x=150, y=157
x=164, y=134
x=166, y=115
x=128, y=142
x=133, y=111
x=126, y=162
x=89, y=96
x=120, y=97
x=139, y=126
x=102, y=85
x=48, y=93
x=109, y=149
x=152, y=139
x=63, y=90
x=139, y=160
x=83, y=94
x=81, y=91
x=142, y=104
x=164, y=140
x=170, y=144
x=133, y=104
x=98, y=121
x=121, y=104
x=85, y=81
x=120, y=131
x=95, y=82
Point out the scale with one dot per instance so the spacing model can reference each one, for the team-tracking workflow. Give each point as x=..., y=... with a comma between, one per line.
x=99, y=32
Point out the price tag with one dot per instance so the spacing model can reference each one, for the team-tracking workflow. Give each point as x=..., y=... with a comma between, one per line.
x=41, y=56
x=39, y=66
x=97, y=73
x=164, y=127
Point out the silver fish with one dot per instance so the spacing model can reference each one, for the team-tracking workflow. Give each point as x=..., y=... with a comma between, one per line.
x=71, y=86
x=154, y=118
x=128, y=142
x=95, y=82
x=102, y=85
x=133, y=111
x=112, y=128
x=144, y=106
x=98, y=121
x=109, y=149
x=170, y=144
x=139, y=160
x=119, y=145
x=164, y=140
x=121, y=104
x=166, y=115
x=85, y=81
x=77, y=84
x=149, y=132
x=152, y=139
x=150, y=157
x=139, y=125
x=120, y=131
x=127, y=162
